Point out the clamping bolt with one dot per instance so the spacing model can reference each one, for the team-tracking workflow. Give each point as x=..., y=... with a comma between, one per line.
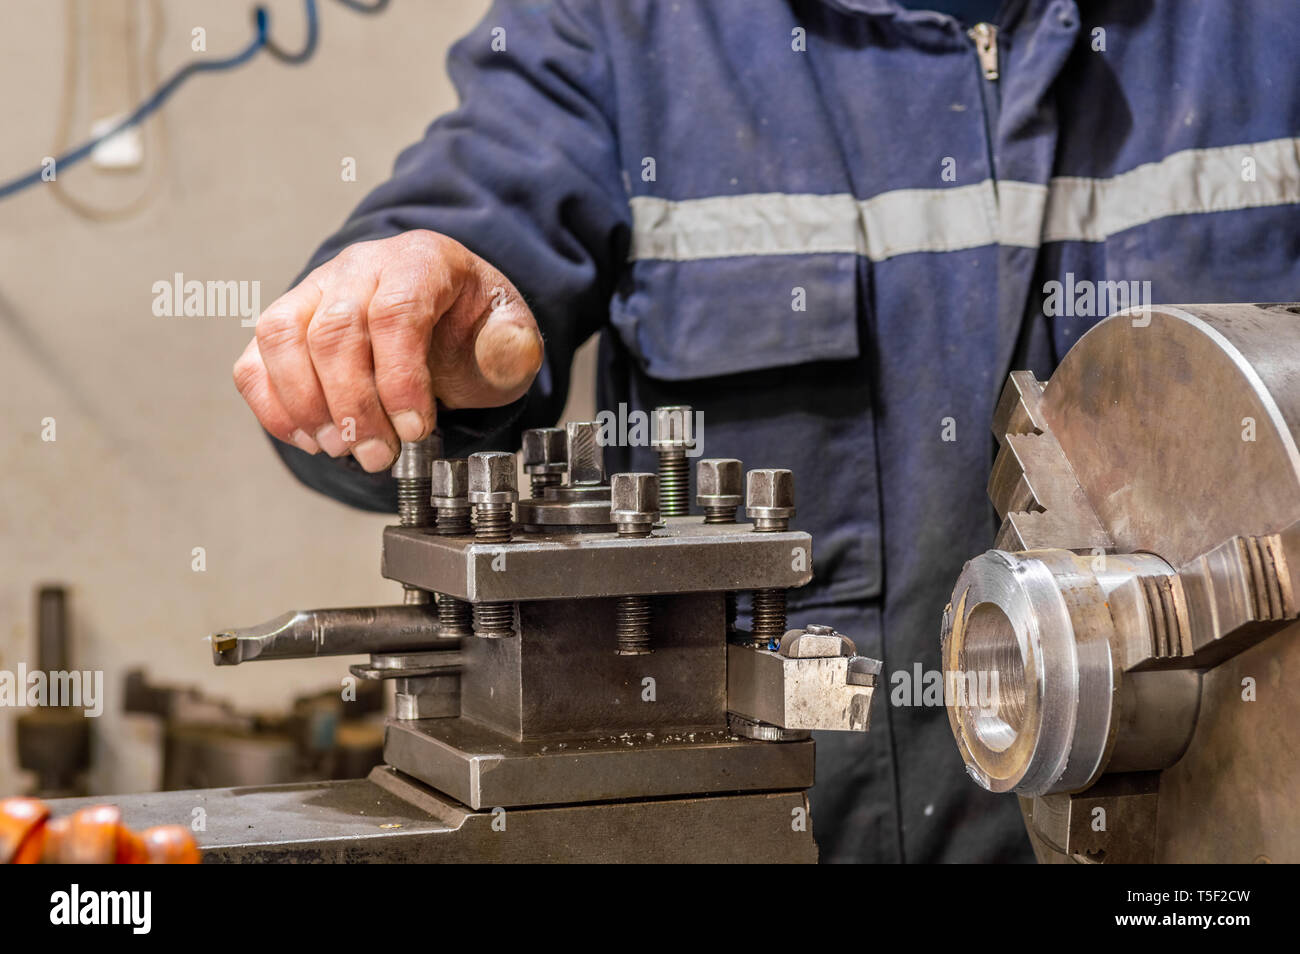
x=493, y=488
x=671, y=436
x=634, y=509
x=412, y=471
x=546, y=458
x=719, y=483
x=449, y=495
x=769, y=502
x=449, y=487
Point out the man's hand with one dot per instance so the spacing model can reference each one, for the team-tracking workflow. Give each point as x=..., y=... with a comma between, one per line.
x=356, y=356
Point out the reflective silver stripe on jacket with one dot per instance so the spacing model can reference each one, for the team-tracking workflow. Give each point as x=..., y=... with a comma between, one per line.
x=942, y=220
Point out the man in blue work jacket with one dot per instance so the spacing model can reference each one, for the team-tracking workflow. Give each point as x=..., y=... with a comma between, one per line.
x=830, y=226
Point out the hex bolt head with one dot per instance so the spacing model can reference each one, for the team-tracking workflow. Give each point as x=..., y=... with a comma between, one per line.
x=635, y=493
x=585, y=455
x=672, y=428
x=718, y=482
x=769, y=498
x=545, y=450
x=416, y=458
x=450, y=480
x=634, y=502
x=492, y=478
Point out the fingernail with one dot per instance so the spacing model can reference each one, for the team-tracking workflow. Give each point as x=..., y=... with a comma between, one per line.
x=300, y=440
x=329, y=438
x=508, y=354
x=374, y=455
x=409, y=425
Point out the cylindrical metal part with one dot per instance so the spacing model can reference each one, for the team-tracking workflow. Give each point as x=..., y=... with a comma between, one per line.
x=414, y=596
x=769, y=499
x=492, y=523
x=539, y=482
x=494, y=620
x=671, y=437
x=449, y=496
x=301, y=634
x=634, y=508
x=413, y=473
x=493, y=488
x=413, y=507
x=769, y=617
x=769, y=502
x=545, y=453
x=632, y=626
x=455, y=616
x=634, y=503
x=1033, y=676
x=719, y=483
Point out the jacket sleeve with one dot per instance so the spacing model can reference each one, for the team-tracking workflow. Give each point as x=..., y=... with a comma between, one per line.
x=526, y=174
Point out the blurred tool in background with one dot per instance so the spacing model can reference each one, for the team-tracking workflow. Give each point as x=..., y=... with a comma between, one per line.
x=54, y=741
x=207, y=743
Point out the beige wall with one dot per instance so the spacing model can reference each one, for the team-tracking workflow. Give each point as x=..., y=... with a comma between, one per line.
x=155, y=453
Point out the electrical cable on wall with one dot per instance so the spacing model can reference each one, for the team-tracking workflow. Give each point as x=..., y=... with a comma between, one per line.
x=78, y=206
x=261, y=40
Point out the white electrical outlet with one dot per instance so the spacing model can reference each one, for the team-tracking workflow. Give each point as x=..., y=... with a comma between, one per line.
x=122, y=152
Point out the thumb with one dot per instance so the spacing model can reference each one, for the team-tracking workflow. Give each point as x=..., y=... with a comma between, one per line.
x=487, y=350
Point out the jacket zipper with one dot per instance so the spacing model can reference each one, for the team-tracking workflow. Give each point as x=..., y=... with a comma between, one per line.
x=985, y=38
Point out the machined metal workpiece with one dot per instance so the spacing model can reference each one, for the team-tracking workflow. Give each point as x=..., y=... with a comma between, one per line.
x=1031, y=650
x=1145, y=577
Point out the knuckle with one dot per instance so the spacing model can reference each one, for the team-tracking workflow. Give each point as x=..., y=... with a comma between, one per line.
x=245, y=373
x=363, y=408
x=277, y=328
x=407, y=384
x=335, y=329
x=397, y=309
x=421, y=240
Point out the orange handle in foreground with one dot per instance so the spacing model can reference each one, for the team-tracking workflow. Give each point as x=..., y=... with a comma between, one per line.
x=92, y=835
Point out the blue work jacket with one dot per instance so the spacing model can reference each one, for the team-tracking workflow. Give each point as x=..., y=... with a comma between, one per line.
x=830, y=226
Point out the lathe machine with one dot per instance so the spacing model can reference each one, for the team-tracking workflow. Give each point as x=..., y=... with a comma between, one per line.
x=569, y=680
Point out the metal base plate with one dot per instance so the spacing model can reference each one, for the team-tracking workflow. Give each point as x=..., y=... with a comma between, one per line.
x=392, y=819
x=485, y=770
